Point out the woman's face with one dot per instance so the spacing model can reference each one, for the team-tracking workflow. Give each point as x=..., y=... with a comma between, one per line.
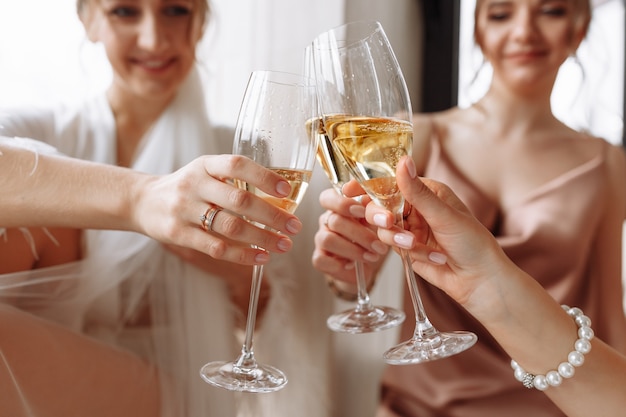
x=527, y=40
x=150, y=43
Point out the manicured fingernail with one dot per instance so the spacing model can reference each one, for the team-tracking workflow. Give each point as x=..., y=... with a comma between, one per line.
x=410, y=166
x=437, y=258
x=404, y=240
x=380, y=247
x=380, y=220
x=283, y=188
x=357, y=210
x=284, y=244
x=262, y=258
x=371, y=257
x=294, y=226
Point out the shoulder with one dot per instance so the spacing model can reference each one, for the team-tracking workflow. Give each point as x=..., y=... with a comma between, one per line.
x=424, y=129
x=28, y=121
x=50, y=123
x=614, y=157
x=430, y=127
x=616, y=164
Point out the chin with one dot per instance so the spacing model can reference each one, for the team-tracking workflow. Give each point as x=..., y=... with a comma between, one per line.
x=156, y=90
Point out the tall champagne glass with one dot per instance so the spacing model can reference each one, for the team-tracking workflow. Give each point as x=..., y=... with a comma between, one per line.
x=365, y=317
x=366, y=113
x=272, y=130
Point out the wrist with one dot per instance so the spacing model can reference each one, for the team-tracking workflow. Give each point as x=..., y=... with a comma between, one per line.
x=134, y=204
x=345, y=290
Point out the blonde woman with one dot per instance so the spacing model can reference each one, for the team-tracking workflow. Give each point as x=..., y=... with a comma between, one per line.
x=553, y=197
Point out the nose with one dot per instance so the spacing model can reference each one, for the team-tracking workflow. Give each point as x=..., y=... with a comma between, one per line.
x=151, y=35
x=524, y=25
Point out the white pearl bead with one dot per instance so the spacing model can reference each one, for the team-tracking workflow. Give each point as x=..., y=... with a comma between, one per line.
x=585, y=333
x=554, y=378
x=575, y=312
x=519, y=374
x=566, y=370
x=583, y=321
x=576, y=358
x=583, y=346
x=540, y=382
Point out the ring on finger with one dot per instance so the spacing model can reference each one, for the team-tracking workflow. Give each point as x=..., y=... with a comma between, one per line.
x=327, y=220
x=208, y=217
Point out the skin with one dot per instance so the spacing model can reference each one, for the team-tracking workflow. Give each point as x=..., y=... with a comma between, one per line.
x=499, y=141
x=151, y=45
x=497, y=144
x=452, y=250
x=66, y=192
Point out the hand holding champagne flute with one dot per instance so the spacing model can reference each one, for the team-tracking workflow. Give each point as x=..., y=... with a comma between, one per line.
x=367, y=113
x=272, y=130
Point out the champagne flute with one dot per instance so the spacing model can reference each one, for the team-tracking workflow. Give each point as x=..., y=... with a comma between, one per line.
x=272, y=130
x=364, y=317
x=366, y=112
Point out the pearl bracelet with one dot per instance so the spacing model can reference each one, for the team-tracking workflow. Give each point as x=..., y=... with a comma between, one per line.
x=576, y=358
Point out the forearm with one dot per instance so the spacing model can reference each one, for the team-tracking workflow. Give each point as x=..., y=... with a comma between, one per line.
x=538, y=334
x=44, y=190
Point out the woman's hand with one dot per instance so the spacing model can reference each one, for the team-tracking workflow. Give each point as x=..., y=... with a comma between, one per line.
x=448, y=246
x=344, y=236
x=169, y=209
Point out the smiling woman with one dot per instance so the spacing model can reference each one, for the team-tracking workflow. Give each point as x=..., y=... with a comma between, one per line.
x=588, y=91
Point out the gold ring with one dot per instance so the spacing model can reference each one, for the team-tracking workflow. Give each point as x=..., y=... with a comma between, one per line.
x=207, y=218
x=327, y=220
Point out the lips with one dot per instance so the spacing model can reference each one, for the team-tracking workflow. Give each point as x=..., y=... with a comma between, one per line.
x=526, y=55
x=154, y=64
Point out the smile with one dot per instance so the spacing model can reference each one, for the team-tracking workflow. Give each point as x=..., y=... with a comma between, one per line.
x=154, y=65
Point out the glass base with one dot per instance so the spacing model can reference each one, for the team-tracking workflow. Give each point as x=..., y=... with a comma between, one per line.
x=260, y=378
x=438, y=346
x=365, y=321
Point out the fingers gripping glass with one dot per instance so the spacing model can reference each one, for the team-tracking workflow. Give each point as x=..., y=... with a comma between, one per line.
x=272, y=130
x=365, y=317
x=366, y=113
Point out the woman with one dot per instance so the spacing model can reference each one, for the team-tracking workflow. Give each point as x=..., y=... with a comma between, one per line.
x=553, y=197
x=169, y=308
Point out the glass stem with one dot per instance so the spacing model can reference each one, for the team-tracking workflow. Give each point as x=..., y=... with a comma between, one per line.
x=364, y=304
x=246, y=360
x=423, y=328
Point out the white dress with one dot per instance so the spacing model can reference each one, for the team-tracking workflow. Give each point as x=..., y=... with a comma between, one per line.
x=191, y=314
